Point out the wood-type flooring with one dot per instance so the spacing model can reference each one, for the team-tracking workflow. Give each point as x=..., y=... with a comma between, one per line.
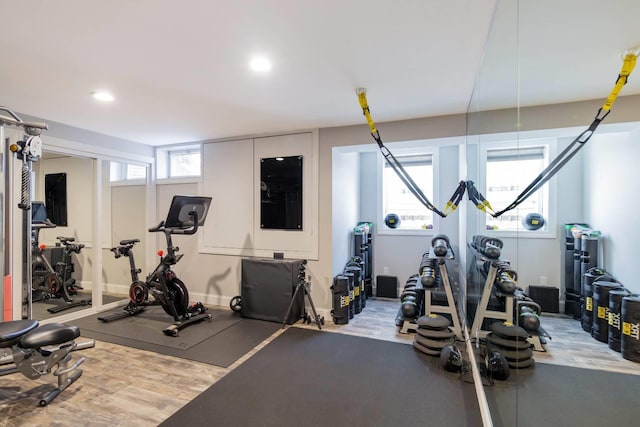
x=122, y=386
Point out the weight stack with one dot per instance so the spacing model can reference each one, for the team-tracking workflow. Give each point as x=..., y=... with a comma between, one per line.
x=572, y=261
x=630, y=344
x=340, y=300
x=568, y=257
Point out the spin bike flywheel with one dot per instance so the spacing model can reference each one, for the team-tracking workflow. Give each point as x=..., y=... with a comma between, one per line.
x=53, y=284
x=138, y=293
x=179, y=295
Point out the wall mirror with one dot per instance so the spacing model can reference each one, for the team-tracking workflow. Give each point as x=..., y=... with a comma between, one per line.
x=62, y=250
x=281, y=193
x=124, y=208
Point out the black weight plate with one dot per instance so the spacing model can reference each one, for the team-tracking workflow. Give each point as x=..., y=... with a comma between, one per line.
x=512, y=355
x=509, y=331
x=433, y=321
x=425, y=350
x=522, y=364
x=436, y=334
x=431, y=343
x=507, y=344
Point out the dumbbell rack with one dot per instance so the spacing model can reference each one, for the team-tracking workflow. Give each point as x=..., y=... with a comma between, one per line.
x=450, y=308
x=482, y=311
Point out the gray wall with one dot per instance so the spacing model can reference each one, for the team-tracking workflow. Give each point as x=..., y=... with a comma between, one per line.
x=216, y=278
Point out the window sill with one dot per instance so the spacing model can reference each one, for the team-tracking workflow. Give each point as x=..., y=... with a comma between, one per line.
x=430, y=232
x=181, y=180
x=522, y=234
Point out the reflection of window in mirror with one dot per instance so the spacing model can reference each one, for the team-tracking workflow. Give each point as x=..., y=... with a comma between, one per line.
x=126, y=172
x=509, y=168
x=281, y=193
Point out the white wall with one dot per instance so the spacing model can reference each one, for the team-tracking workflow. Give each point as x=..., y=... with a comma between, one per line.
x=346, y=213
x=611, y=204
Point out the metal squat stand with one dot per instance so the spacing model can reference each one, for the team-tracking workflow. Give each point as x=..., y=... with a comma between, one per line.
x=303, y=286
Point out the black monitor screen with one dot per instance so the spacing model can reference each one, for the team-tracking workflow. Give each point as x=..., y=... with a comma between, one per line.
x=180, y=208
x=38, y=212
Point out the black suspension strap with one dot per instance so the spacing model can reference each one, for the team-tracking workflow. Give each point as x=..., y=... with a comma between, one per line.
x=478, y=199
x=390, y=158
x=473, y=194
x=579, y=142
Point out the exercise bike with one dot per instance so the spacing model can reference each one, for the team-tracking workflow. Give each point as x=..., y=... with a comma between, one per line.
x=162, y=286
x=36, y=350
x=46, y=282
x=63, y=270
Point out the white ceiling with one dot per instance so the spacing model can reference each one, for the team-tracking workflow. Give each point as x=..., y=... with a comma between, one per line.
x=179, y=69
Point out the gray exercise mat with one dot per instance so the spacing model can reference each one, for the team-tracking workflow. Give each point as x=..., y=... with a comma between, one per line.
x=219, y=341
x=148, y=325
x=563, y=396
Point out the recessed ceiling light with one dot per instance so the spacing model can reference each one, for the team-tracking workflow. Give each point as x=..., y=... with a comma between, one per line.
x=102, y=96
x=260, y=64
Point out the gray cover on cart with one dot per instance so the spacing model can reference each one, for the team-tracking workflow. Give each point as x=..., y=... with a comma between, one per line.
x=267, y=288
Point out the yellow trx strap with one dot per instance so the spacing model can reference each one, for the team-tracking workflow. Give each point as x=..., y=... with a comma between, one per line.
x=580, y=141
x=362, y=98
x=627, y=67
x=474, y=195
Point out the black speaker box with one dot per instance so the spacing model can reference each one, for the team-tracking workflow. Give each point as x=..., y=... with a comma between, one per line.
x=387, y=286
x=548, y=298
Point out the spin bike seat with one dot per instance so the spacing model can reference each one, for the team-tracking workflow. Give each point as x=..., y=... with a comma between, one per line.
x=50, y=334
x=128, y=242
x=11, y=331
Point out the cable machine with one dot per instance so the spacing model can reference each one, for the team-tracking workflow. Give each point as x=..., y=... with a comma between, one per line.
x=27, y=150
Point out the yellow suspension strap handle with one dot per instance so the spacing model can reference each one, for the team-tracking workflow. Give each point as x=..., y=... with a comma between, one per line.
x=362, y=99
x=455, y=199
x=628, y=65
x=390, y=158
x=629, y=62
x=478, y=199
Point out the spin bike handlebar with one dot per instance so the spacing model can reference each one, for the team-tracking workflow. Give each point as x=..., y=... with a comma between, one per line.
x=187, y=229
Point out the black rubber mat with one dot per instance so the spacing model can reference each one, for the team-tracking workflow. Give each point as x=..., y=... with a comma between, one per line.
x=219, y=341
x=312, y=378
x=552, y=395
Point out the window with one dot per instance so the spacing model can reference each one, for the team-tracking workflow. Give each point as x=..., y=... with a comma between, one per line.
x=126, y=172
x=178, y=162
x=509, y=171
x=396, y=197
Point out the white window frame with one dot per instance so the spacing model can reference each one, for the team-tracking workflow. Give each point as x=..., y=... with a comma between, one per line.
x=123, y=178
x=550, y=149
x=383, y=229
x=163, y=162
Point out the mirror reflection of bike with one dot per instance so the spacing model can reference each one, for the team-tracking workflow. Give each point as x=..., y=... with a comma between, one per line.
x=52, y=281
